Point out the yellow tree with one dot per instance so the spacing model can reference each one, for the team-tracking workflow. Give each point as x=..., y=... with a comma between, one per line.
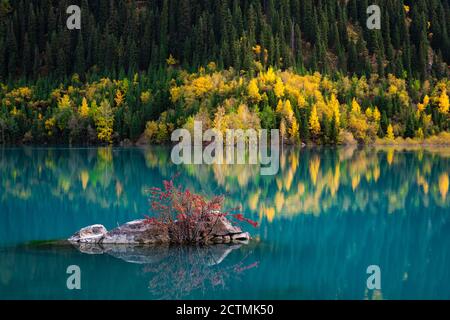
x=64, y=102
x=356, y=108
x=283, y=129
x=104, y=122
x=220, y=123
x=280, y=106
x=171, y=61
x=253, y=90
x=334, y=106
x=376, y=115
x=288, y=112
x=443, y=102
x=278, y=89
x=119, y=98
x=421, y=106
x=145, y=97
x=314, y=124
x=369, y=113
x=390, y=133
x=291, y=121
x=84, y=109
x=294, y=131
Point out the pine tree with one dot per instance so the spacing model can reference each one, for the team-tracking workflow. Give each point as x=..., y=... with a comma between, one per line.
x=79, y=56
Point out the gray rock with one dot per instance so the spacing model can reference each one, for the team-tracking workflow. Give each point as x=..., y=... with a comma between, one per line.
x=242, y=238
x=91, y=234
x=221, y=226
x=137, y=232
x=140, y=232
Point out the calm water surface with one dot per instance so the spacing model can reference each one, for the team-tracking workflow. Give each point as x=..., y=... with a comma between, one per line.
x=326, y=217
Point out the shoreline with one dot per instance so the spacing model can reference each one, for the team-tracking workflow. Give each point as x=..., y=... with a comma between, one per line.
x=440, y=140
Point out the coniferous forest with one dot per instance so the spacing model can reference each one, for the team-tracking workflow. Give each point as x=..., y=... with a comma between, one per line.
x=137, y=70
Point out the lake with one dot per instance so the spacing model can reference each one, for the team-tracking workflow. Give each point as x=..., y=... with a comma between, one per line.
x=325, y=218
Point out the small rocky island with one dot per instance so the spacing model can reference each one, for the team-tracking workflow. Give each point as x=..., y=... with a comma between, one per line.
x=144, y=232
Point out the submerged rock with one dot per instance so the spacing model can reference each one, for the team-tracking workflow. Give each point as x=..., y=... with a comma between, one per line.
x=140, y=232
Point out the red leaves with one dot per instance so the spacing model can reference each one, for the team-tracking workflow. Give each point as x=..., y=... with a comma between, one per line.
x=150, y=220
x=173, y=205
x=241, y=218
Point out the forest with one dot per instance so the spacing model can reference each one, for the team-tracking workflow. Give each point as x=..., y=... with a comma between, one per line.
x=137, y=70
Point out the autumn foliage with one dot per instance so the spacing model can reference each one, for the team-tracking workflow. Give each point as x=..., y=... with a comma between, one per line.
x=190, y=217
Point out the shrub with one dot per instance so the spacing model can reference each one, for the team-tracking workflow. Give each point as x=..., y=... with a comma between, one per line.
x=190, y=217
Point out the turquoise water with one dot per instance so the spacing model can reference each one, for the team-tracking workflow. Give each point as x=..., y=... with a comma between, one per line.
x=326, y=217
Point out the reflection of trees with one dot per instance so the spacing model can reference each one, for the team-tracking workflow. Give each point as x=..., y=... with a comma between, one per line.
x=370, y=180
x=310, y=181
x=190, y=269
x=179, y=271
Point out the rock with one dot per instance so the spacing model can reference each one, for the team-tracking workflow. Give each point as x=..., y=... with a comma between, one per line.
x=242, y=237
x=221, y=226
x=126, y=143
x=140, y=232
x=143, y=141
x=91, y=234
x=137, y=232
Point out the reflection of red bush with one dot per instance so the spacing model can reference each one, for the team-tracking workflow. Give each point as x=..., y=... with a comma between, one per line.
x=187, y=269
x=189, y=216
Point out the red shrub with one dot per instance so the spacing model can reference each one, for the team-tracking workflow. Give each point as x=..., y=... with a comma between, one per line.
x=190, y=217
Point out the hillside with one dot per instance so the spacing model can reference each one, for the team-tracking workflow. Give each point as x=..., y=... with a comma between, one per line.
x=135, y=64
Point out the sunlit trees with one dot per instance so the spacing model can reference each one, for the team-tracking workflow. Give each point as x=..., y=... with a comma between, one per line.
x=314, y=124
x=104, y=121
x=279, y=88
x=64, y=102
x=390, y=133
x=119, y=98
x=334, y=106
x=443, y=102
x=84, y=109
x=253, y=90
x=289, y=127
x=311, y=108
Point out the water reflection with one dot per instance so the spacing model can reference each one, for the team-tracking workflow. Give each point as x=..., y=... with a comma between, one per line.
x=159, y=272
x=176, y=272
x=325, y=217
x=66, y=183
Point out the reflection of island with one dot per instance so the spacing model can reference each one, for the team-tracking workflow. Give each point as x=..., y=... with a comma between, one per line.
x=148, y=254
x=177, y=271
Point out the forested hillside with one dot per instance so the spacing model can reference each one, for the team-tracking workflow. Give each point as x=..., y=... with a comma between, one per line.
x=323, y=35
x=135, y=65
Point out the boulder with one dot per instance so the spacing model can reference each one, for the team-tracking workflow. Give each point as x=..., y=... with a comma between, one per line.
x=221, y=226
x=138, y=232
x=91, y=234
